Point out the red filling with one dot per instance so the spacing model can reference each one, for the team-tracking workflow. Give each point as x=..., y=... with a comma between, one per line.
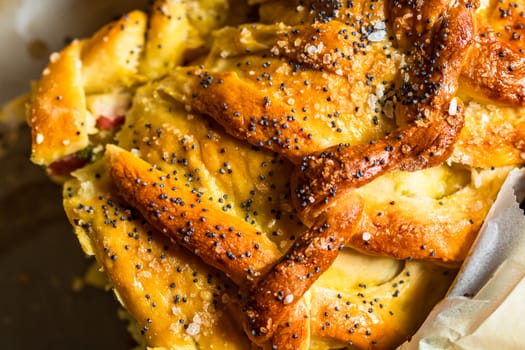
x=65, y=165
x=110, y=123
x=69, y=163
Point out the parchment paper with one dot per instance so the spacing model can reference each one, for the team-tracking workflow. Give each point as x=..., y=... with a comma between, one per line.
x=485, y=307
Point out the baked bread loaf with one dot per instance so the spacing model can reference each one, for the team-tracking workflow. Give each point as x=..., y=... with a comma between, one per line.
x=283, y=174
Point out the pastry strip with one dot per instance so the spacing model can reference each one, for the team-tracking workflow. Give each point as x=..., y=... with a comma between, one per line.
x=232, y=246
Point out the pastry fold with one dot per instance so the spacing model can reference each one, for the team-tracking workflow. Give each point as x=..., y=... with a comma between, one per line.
x=282, y=174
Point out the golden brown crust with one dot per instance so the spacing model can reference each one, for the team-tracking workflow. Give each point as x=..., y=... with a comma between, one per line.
x=232, y=246
x=308, y=11
x=363, y=331
x=288, y=314
x=439, y=36
x=272, y=299
x=395, y=233
x=121, y=43
x=58, y=117
x=494, y=69
x=425, y=103
x=493, y=136
x=430, y=116
x=506, y=18
x=300, y=102
x=312, y=64
x=494, y=77
x=60, y=121
x=153, y=276
x=237, y=250
x=174, y=298
x=264, y=121
x=120, y=158
x=324, y=177
x=441, y=228
x=163, y=51
x=366, y=316
x=294, y=333
x=358, y=318
x=248, y=113
x=326, y=46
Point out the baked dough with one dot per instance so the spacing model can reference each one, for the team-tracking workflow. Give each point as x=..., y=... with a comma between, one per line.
x=256, y=163
x=100, y=219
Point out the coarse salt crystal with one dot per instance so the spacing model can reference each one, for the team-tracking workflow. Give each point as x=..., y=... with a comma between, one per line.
x=54, y=57
x=136, y=152
x=380, y=25
x=380, y=91
x=378, y=35
x=193, y=329
x=327, y=58
x=453, y=107
x=312, y=49
x=372, y=101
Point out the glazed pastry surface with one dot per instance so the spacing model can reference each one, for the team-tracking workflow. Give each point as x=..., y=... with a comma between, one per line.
x=283, y=174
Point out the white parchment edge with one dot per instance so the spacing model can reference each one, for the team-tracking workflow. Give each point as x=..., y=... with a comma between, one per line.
x=485, y=306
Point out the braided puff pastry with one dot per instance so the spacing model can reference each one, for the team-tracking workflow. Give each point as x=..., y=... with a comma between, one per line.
x=255, y=165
